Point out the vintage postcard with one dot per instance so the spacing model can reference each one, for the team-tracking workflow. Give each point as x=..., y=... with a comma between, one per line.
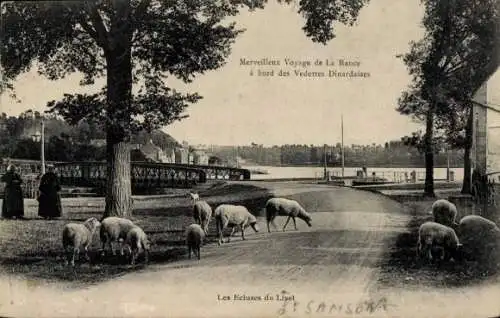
x=256, y=158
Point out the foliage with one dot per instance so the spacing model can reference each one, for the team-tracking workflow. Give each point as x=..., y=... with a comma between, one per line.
x=26, y=149
x=179, y=38
x=133, y=43
x=137, y=155
x=63, y=142
x=457, y=54
x=158, y=137
x=321, y=15
x=393, y=153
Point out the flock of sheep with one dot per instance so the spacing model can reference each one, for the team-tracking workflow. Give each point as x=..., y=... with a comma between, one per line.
x=237, y=216
x=114, y=229
x=473, y=237
x=442, y=239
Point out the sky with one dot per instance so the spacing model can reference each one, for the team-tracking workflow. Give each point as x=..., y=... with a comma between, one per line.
x=238, y=108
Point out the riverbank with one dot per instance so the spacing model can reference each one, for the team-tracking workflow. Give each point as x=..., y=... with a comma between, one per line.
x=394, y=174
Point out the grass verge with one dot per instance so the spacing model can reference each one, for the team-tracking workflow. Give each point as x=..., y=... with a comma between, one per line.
x=32, y=248
x=401, y=269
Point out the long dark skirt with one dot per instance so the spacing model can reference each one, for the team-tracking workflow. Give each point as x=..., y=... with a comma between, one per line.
x=13, y=203
x=49, y=206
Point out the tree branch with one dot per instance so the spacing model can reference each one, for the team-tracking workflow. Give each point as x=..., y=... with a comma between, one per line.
x=449, y=72
x=89, y=29
x=121, y=21
x=141, y=10
x=98, y=26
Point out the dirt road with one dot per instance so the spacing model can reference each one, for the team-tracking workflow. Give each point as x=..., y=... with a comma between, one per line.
x=329, y=270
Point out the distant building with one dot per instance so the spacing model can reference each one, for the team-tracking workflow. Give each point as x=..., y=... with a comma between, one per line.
x=235, y=162
x=240, y=160
x=169, y=155
x=153, y=152
x=486, y=132
x=202, y=147
x=215, y=161
x=181, y=155
x=199, y=157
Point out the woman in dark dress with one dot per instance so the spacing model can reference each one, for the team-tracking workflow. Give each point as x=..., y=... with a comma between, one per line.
x=49, y=201
x=13, y=203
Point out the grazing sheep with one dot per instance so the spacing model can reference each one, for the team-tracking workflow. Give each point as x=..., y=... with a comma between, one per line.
x=202, y=214
x=76, y=235
x=444, y=212
x=434, y=236
x=480, y=237
x=194, y=237
x=285, y=207
x=114, y=229
x=137, y=241
x=228, y=215
x=194, y=196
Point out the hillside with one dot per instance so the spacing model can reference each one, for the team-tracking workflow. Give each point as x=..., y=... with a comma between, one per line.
x=159, y=138
x=63, y=141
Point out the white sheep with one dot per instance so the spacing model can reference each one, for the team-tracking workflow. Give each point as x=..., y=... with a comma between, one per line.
x=194, y=237
x=77, y=235
x=194, y=196
x=202, y=214
x=114, y=229
x=228, y=215
x=444, y=212
x=285, y=207
x=480, y=237
x=434, y=236
x=137, y=242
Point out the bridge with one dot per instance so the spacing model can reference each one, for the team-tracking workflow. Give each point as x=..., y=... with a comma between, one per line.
x=144, y=175
x=148, y=174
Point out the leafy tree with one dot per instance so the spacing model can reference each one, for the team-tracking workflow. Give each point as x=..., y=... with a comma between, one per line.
x=86, y=152
x=60, y=148
x=133, y=43
x=27, y=149
x=314, y=155
x=457, y=54
x=158, y=137
x=457, y=122
x=137, y=155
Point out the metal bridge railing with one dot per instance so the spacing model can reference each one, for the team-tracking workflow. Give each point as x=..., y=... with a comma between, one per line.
x=29, y=185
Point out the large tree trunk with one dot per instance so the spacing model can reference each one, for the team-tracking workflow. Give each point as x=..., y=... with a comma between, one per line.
x=119, y=97
x=467, y=185
x=118, y=184
x=429, y=153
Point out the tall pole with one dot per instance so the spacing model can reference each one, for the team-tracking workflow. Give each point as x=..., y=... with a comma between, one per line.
x=42, y=150
x=324, y=162
x=447, y=165
x=342, y=132
x=236, y=157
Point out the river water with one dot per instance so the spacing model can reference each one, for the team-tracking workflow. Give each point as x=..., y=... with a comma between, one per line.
x=391, y=174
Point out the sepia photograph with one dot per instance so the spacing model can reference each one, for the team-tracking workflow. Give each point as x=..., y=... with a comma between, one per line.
x=250, y=158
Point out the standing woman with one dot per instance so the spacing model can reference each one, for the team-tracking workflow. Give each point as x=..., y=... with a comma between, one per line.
x=13, y=202
x=49, y=201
